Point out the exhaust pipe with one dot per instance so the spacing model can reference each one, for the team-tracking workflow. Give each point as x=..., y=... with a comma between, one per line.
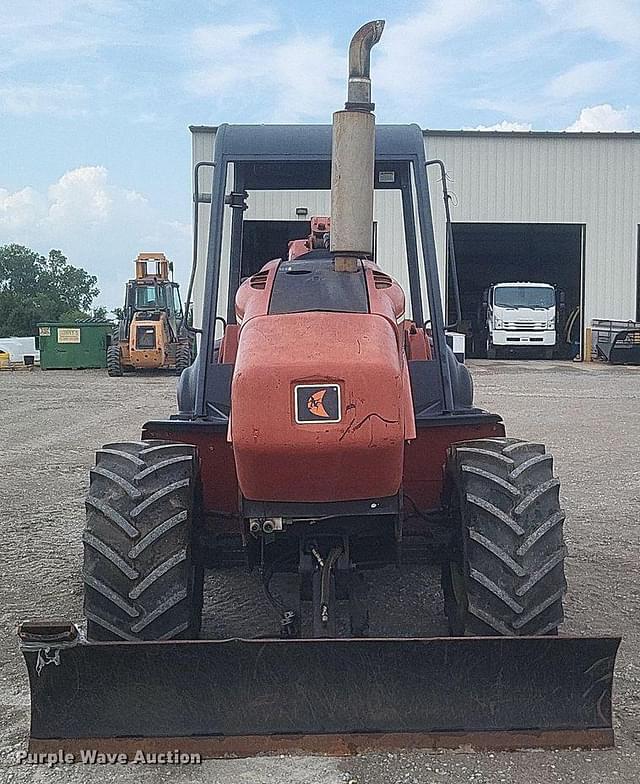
x=353, y=158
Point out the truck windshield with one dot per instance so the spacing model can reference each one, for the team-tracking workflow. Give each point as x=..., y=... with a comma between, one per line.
x=524, y=297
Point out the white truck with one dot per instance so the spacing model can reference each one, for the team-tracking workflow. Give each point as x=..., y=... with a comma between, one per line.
x=519, y=316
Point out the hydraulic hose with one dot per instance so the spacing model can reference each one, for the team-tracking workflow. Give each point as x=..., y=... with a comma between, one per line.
x=325, y=582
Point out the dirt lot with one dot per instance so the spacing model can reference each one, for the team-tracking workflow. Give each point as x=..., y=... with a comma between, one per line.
x=589, y=416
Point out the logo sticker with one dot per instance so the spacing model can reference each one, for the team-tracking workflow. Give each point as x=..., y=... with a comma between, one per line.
x=317, y=403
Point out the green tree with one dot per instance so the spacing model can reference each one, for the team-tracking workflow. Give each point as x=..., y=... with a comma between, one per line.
x=100, y=313
x=73, y=315
x=34, y=288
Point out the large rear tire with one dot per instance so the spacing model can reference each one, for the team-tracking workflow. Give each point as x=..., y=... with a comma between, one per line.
x=114, y=364
x=141, y=579
x=505, y=572
x=183, y=357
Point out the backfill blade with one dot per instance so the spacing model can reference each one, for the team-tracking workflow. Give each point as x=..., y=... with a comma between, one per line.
x=335, y=696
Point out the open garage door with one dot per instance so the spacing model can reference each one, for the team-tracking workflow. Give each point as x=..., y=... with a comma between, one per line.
x=263, y=240
x=489, y=253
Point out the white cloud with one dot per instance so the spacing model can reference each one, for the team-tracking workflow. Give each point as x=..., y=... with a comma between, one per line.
x=59, y=29
x=592, y=46
x=218, y=41
x=20, y=208
x=67, y=58
x=617, y=21
x=60, y=100
x=413, y=59
x=302, y=77
x=97, y=224
x=83, y=196
x=147, y=118
x=505, y=125
x=437, y=22
x=549, y=105
x=299, y=79
x=602, y=118
x=582, y=78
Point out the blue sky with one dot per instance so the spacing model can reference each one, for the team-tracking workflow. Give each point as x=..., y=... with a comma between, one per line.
x=96, y=96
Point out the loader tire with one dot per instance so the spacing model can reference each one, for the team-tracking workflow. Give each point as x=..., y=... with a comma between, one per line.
x=141, y=579
x=114, y=365
x=505, y=572
x=183, y=357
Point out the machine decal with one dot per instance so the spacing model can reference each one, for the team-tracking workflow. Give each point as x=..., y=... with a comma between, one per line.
x=317, y=403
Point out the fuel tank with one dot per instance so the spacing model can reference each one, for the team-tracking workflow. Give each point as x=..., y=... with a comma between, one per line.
x=318, y=407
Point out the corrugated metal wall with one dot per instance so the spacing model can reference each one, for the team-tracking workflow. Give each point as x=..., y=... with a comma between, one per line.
x=553, y=179
x=503, y=178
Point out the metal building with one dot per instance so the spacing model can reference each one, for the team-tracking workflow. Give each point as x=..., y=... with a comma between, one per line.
x=561, y=208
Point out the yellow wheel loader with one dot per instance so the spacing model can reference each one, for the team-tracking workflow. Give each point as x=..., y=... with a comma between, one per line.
x=151, y=334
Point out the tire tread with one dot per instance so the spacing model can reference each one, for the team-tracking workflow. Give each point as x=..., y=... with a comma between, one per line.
x=512, y=549
x=139, y=565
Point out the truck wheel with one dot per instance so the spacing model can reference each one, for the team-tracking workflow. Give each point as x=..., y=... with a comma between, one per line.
x=505, y=571
x=114, y=366
x=183, y=357
x=141, y=579
x=547, y=352
x=490, y=350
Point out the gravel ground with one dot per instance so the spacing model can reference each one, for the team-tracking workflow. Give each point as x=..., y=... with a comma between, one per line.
x=589, y=416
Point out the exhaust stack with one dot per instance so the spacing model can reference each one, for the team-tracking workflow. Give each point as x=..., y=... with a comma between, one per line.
x=353, y=158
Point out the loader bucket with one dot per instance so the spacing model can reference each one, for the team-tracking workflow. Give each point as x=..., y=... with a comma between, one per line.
x=331, y=696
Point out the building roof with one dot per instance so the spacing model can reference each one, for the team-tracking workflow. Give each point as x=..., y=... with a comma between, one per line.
x=323, y=131
x=536, y=134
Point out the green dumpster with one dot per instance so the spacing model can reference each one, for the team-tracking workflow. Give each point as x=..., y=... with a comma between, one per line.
x=74, y=344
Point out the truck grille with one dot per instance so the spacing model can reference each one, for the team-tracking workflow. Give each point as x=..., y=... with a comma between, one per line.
x=525, y=325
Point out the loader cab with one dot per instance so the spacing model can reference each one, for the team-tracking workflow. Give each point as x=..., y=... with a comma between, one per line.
x=154, y=296
x=151, y=299
x=257, y=167
x=149, y=296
